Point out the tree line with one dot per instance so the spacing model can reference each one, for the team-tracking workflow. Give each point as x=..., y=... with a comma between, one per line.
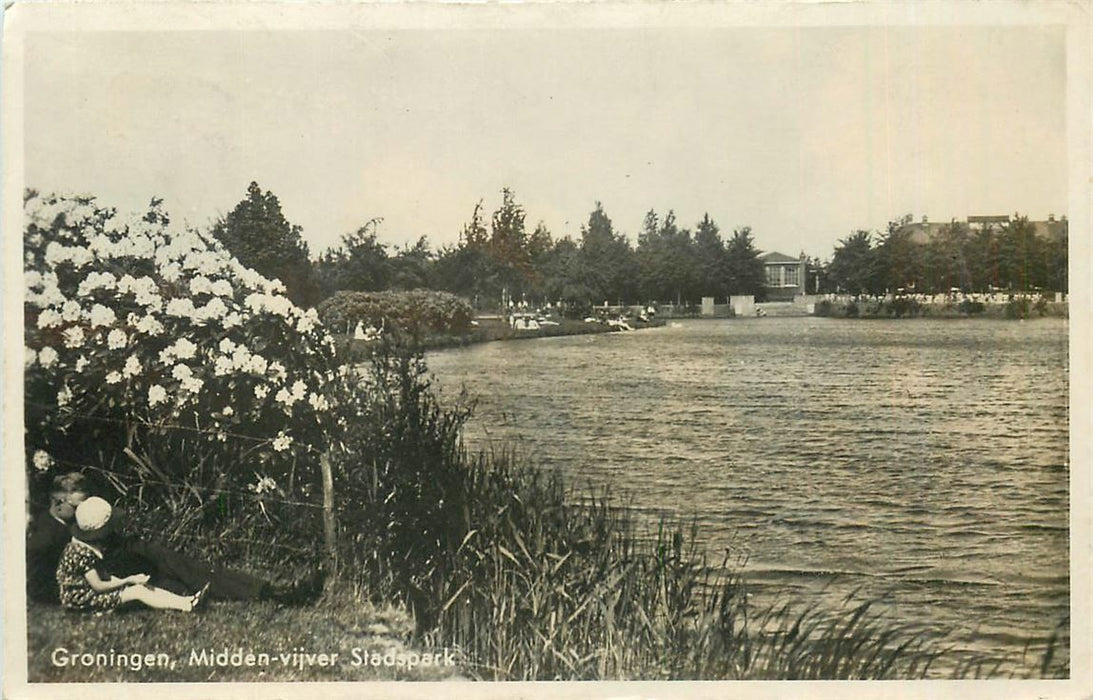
x=499, y=257
x=1010, y=257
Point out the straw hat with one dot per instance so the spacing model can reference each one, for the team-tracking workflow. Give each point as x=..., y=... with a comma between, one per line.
x=95, y=519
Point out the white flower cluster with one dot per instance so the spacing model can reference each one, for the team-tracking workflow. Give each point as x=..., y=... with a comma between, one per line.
x=282, y=442
x=74, y=337
x=71, y=311
x=156, y=395
x=308, y=321
x=144, y=290
x=181, y=349
x=42, y=461
x=58, y=254
x=73, y=211
x=187, y=381
x=279, y=305
x=262, y=484
x=47, y=357
x=49, y=318
x=102, y=316
x=140, y=282
x=149, y=325
x=287, y=397
x=203, y=285
x=42, y=289
x=132, y=367
x=117, y=339
x=318, y=402
x=96, y=280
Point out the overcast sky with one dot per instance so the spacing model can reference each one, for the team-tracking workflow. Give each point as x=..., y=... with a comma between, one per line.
x=804, y=134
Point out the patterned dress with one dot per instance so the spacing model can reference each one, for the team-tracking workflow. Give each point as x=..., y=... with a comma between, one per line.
x=76, y=593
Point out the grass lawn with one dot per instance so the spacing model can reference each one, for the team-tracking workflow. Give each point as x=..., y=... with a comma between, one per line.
x=370, y=644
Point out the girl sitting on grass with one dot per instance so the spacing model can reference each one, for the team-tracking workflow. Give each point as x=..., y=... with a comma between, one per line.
x=80, y=585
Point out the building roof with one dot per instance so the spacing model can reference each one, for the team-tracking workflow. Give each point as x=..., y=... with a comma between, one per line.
x=774, y=257
x=923, y=232
x=1050, y=229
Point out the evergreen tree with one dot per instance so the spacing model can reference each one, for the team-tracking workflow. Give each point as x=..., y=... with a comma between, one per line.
x=258, y=235
x=540, y=242
x=606, y=259
x=647, y=257
x=745, y=273
x=897, y=260
x=359, y=264
x=1021, y=261
x=852, y=265
x=467, y=269
x=679, y=260
x=666, y=260
x=982, y=259
x=412, y=267
x=563, y=281
x=508, y=246
x=1056, y=255
x=946, y=261
x=711, y=262
x=540, y=246
x=474, y=234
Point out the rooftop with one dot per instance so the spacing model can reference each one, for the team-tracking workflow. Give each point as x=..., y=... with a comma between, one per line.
x=774, y=257
x=922, y=231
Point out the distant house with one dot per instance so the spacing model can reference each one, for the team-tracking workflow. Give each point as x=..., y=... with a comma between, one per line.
x=926, y=230
x=785, y=275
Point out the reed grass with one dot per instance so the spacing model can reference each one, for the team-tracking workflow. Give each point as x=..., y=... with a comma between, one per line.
x=544, y=590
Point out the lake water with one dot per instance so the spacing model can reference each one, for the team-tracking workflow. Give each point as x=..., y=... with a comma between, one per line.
x=920, y=462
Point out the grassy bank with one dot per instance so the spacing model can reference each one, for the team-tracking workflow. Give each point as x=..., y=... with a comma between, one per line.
x=361, y=642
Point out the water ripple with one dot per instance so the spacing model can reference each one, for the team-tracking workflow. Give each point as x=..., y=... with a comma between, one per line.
x=923, y=462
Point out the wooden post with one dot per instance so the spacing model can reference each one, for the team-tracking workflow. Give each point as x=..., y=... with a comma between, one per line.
x=329, y=529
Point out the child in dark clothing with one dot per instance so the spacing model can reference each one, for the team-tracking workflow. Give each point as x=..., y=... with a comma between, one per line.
x=49, y=533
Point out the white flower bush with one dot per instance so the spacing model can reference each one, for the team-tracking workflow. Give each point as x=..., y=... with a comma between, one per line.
x=136, y=328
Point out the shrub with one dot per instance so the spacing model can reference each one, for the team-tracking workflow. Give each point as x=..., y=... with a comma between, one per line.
x=1040, y=305
x=577, y=308
x=970, y=307
x=160, y=363
x=414, y=313
x=1017, y=307
x=905, y=306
